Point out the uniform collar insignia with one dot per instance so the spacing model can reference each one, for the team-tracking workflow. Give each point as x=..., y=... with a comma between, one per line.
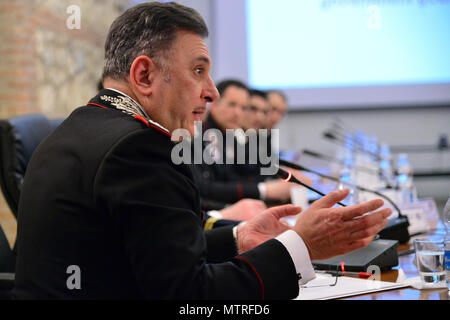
x=122, y=102
x=115, y=99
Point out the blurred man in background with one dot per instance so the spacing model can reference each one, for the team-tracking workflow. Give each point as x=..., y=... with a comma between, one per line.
x=257, y=119
x=277, y=108
x=256, y=111
x=219, y=183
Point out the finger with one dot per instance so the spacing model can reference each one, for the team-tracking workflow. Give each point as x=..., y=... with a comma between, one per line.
x=256, y=204
x=368, y=220
x=261, y=204
x=284, y=211
x=331, y=199
x=356, y=210
x=370, y=231
x=358, y=244
x=252, y=204
x=373, y=221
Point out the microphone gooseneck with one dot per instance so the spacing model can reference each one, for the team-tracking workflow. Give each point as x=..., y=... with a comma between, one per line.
x=299, y=167
x=318, y=155
x=334, y=160
x=289, y=177
x=341, y=141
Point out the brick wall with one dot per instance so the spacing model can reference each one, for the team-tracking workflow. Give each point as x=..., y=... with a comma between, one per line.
x=45, y=67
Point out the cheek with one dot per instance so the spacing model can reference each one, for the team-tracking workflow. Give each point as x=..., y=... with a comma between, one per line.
x=231, y=114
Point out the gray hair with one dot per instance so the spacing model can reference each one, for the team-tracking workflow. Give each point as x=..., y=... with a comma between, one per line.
x=147, y=29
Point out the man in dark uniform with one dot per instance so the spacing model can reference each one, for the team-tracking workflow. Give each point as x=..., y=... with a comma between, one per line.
x=254, y=120
x=223, y=194
x=223, y=182
x=106, y=214
x=278, y=106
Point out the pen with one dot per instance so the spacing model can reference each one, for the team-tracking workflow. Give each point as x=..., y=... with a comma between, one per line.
x=363, y=275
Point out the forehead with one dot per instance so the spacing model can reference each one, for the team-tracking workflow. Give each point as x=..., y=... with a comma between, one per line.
x=276, y=100
x=189, y=47
x=233, y=92
x=259, y=102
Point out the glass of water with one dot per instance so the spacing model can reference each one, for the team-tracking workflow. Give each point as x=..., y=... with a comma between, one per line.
x=430, y=262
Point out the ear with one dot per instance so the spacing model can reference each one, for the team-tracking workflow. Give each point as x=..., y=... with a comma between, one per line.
x=142, y=73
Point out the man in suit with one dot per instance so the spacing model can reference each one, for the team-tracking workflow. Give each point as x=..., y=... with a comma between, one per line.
x=224, y=195
x=256, y=111
x=277, y=108
x=222, y=181
x=105, y=212
x=255, y=118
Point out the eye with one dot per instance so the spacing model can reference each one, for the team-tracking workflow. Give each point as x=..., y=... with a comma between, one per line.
x=198, y=70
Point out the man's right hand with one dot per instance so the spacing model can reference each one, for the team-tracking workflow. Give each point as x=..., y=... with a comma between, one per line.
x=243, y=210
x=329, y=232
x=278, y=190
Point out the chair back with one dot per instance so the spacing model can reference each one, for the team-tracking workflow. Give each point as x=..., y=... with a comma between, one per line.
x=19, y=137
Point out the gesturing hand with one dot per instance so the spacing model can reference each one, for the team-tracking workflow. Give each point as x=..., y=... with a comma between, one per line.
x=243, y=210
x=329, y=232
x=265, y=226
x=278, y=190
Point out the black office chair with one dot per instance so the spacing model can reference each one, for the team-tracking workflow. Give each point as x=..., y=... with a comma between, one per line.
x=7, y=267
x=19, y=137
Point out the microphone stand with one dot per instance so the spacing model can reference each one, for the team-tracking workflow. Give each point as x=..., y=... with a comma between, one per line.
x=340, y=141
x=316, y=154
x=300, y=167
x=397, y=228
x=288, y=177
x=334, y=160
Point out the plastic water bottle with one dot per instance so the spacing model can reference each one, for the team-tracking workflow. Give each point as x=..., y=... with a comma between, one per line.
x=446, y=218
x=373, y=146
x=405, y=185
x=346, y=177
x=385, y=167
x=349, y=141
x=363, y=158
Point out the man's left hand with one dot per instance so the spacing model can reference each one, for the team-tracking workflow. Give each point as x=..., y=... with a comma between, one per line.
x=264, y=227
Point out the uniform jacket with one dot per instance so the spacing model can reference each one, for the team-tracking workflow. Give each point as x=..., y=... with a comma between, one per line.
x=102, y=195
x=220, y=182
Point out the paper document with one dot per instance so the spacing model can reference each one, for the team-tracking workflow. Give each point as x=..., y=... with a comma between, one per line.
x=345, y=287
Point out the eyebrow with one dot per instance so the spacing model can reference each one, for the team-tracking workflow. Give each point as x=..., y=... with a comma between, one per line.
x=202, y=59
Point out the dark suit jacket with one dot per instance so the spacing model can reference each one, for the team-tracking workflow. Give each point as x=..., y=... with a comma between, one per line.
x=101, y=193
x=220, y=183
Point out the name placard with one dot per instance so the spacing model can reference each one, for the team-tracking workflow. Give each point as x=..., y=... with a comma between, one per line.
x=421, y=215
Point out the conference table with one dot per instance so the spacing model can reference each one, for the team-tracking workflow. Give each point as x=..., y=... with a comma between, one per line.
x=406, y=263
x=407, y=268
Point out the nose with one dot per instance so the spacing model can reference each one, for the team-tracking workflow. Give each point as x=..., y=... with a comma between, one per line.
x=261, y=120
x=210, y=93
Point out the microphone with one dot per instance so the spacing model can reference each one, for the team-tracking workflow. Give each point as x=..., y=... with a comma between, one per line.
x=288, y=177
x=318, y=155
x=340, y=125
x=331, y=136
x=397, y=228
x=359, y=168
x=300, y=167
